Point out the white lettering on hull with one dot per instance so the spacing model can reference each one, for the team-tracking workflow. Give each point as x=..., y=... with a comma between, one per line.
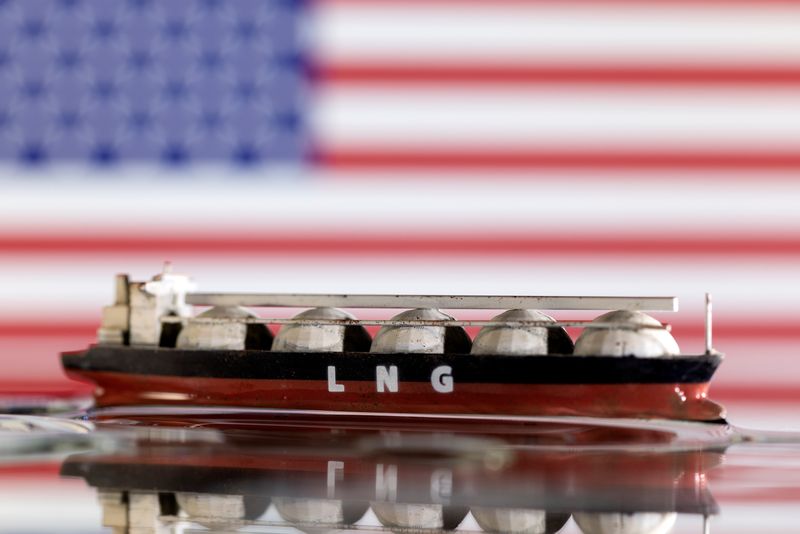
x=388, y=379
x=442, y=379
x=333, y=387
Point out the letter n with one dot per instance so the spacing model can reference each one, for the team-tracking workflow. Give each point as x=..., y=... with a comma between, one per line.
x=386, y=379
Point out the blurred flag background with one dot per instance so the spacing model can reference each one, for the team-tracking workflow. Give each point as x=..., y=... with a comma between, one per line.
x=442, y=146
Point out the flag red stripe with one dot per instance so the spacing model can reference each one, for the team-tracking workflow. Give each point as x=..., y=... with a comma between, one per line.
x=401, y=244
x=471, y=159
x=43, y=469
x=393, y=74
x=525, y=3
x=767, y=393
x=46, y=328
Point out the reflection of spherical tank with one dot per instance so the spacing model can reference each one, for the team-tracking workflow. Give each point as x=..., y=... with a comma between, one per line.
x=206, y=333
x=419, y=516
x=519, y=521
x=522, y=340
x=321, y=337
x=644, y=342
x=319, y=511
x=211, y=508
x=421, y=339
x=618, y=523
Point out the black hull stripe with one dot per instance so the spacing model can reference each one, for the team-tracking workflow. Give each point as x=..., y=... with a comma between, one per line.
x=488, y=369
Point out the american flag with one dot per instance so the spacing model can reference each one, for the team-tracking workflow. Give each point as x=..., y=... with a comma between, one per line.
x=404, y=146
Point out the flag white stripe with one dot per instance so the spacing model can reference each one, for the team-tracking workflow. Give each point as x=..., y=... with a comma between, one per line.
x=151, y=202
x=558, y=118
x=558, y=33
x=61, y=287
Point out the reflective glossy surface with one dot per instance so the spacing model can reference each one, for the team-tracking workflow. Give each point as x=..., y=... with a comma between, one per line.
x=154, y=471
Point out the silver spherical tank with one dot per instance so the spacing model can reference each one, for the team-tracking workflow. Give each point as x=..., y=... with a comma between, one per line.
x=522, y=340
x=618, y=523
x=419, y=516
x=519, y=521
x=642, y=342
x=221, y=328
x=322, y=337
x=421, y=339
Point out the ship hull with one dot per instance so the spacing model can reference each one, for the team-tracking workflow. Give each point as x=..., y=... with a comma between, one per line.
x=594, y=386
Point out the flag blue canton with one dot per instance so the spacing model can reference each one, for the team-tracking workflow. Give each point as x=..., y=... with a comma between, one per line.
x=171, y=82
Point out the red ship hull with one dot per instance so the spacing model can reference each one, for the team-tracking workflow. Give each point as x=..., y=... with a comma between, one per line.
x=496, y=385
x=660, y=401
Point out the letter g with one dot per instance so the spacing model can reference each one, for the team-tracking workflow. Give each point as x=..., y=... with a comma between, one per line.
x=442, y=379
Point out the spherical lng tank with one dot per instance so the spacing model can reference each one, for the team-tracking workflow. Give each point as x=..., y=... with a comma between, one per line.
x=646, y=342
x=321, y=337
x=223, y=328
x=421, y=339
x=522, y=340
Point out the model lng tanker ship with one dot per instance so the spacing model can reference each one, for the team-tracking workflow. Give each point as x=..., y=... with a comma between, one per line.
x=152, y=350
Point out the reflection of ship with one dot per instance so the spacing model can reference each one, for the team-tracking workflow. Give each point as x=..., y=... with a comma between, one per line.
x=226, y=471
x=151, y=350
